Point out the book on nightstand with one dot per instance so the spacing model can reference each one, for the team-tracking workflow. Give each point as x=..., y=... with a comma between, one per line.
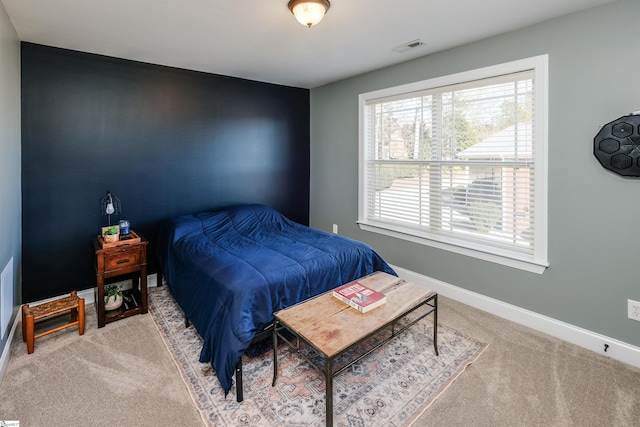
x=359, y=296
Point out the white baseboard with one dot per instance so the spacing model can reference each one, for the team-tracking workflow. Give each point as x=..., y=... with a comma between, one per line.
x=584, y=338
x=6, y=352
x=89, y=294
x=152, y=280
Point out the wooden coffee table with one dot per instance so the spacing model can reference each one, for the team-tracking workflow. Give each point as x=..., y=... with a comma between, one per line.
x=331, y=328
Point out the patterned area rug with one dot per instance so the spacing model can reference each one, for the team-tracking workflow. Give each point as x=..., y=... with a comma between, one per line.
x=390, y=387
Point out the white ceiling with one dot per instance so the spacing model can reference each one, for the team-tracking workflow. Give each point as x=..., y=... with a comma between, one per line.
x=260, y=39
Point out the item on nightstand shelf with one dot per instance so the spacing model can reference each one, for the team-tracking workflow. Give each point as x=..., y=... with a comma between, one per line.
x=112, y=297
x=123, y=239
x=111, y=234
x=124, y=226
x=359, y=296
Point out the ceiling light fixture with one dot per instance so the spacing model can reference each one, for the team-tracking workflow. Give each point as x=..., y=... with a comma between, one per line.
x=309, y=12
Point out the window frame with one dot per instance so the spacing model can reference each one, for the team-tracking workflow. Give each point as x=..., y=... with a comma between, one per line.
x=536, y=263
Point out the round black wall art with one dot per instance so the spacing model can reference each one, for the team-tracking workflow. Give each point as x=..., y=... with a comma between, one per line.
x=617, y=146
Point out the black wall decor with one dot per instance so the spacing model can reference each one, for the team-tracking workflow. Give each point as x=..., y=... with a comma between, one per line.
x=617, y=146
x=165, y=141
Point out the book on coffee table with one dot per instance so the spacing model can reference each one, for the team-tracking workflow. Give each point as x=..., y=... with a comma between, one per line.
x=359, y=296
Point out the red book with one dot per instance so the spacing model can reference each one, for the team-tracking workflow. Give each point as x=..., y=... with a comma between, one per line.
x=359, y=296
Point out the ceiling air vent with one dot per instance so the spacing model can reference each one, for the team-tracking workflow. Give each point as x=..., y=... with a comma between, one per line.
x=409, y=45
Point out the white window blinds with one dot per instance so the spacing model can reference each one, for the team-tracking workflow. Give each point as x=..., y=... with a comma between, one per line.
x=456, y=164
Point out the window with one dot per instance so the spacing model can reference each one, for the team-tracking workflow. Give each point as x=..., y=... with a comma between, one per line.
x=460, y=163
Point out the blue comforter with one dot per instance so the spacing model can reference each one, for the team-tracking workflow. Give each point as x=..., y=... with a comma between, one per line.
x=231, y=270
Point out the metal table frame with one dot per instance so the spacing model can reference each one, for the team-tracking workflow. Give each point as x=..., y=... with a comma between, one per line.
x=278, y=326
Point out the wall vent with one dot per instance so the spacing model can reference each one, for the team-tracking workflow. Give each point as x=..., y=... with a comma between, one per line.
x=409, y=45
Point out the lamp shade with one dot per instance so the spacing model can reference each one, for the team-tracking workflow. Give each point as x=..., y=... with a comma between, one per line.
x=110, y=205
x=309, y=12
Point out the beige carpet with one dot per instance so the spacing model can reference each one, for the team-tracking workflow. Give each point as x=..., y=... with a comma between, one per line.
x=122, y=375
x=119, y=375
x=526, y=378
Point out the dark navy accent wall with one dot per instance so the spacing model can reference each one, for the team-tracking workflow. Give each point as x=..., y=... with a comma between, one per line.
x=166, y=141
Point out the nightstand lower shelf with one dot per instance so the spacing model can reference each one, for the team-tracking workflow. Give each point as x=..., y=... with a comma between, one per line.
x=130, y=306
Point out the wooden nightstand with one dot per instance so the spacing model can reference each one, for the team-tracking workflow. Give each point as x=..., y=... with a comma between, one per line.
x=126, y=258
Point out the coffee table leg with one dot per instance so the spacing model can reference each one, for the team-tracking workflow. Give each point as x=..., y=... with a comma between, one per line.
x=329, y=387
x=275, y=353
x=435, y=324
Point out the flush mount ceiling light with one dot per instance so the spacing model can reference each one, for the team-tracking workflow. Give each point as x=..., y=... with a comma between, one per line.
x=309, y=12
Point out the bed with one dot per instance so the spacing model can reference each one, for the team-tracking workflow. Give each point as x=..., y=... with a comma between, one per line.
x=230, y=270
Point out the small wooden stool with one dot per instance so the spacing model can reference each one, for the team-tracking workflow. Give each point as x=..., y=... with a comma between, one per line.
x=30, y=315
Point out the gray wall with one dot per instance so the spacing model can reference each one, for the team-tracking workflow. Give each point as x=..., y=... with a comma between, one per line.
x=10, y=199
x=594, y=78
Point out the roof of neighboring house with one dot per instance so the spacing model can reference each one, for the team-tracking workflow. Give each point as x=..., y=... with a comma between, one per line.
x=503, y=145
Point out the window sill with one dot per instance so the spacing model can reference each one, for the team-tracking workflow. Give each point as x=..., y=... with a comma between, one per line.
x=509, y=260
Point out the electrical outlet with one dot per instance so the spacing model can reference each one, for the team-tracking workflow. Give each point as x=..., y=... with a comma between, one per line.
x=335, y=228
x=634, y=310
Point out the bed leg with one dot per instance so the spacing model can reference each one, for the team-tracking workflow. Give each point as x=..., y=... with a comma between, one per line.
x=239, y=395
x=186, y=321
